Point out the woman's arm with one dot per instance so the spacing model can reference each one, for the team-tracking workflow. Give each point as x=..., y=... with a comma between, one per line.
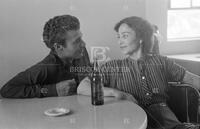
x=84, y=88
x=192, y=79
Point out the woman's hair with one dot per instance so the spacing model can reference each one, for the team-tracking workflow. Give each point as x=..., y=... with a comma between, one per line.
x=55, y=29
x=155, y=29
x=142, y=28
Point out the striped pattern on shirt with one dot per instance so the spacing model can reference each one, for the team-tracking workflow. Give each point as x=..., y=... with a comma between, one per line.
x=146, y=79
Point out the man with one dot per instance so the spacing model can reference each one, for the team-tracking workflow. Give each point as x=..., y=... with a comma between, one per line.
x=145, y=79
x=52, y=76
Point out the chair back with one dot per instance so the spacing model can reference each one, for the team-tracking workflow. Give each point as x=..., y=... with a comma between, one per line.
x=184, y=102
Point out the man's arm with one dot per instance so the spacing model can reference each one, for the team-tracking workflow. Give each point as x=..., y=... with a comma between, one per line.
x=31, y=83
x=84, y=88
x=192, y=79
x=28, y=84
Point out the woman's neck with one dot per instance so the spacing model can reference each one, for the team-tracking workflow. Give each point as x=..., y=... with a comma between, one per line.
x=137, y=54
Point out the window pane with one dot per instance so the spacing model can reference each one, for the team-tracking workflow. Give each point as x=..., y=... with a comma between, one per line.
x=180, y=4
x=183, y=24
x=196, y=3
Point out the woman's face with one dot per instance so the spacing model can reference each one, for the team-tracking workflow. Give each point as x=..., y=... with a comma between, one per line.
x=127, y=40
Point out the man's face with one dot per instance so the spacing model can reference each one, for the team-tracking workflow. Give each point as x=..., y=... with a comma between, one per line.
x=127, y=39
x=74, y=44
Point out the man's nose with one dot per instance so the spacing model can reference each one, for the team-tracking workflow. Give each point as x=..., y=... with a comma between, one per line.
x=82, y=43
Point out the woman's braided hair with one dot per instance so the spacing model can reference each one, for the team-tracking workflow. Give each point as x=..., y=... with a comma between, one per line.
x=55, y=29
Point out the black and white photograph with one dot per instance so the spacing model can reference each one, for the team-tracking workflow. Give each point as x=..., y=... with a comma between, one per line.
x=99, y=64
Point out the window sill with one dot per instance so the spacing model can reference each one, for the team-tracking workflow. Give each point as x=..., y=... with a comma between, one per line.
x=187, y=57
x=183, y=39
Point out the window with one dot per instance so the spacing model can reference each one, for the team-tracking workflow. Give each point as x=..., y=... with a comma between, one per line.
x=183, y=20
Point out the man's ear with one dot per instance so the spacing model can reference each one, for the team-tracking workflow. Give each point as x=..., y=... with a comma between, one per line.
x=57, y=47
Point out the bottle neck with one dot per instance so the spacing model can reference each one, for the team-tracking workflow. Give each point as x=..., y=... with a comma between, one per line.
x=95, y=65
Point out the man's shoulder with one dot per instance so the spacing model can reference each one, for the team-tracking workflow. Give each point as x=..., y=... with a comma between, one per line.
x=49, y=59
x=49, y=62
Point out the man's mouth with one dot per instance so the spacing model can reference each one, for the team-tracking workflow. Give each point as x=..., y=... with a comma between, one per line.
x=82, y=52
x=122, y=47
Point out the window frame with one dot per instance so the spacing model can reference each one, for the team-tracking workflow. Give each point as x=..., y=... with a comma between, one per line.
x=191, y=7
x=182, y=8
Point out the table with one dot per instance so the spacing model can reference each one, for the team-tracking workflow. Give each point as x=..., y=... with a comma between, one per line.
x=29, y=114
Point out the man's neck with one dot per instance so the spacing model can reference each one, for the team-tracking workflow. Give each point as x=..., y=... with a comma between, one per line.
x=65, y=60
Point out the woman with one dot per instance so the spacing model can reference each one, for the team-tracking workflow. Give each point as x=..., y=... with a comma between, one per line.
x=145, y=77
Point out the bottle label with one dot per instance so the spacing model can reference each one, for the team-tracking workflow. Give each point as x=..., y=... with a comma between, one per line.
x=97, y=94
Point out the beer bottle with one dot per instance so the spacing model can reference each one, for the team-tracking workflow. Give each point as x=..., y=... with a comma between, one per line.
x=97, y=96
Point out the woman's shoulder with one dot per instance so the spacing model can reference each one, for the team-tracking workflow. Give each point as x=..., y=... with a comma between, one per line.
x=113, y=63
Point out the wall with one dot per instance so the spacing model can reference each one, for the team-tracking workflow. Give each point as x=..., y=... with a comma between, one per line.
x=192, y=66
x=156, y=12
x=22, y=22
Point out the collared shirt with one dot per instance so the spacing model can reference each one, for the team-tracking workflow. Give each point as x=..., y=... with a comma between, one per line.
x=146, y=79
x=40, y=80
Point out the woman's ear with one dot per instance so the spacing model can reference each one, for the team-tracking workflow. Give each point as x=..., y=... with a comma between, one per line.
x=140, y=41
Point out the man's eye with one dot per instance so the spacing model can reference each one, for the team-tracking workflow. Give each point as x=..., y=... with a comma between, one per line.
x=125, y=36
x=77, y=40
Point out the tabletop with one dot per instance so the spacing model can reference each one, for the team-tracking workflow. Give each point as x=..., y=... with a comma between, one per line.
x=29, y=114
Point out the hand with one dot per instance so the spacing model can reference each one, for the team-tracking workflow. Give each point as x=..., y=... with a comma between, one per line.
x=66, y=87
x=84, y=87
x=122, y=95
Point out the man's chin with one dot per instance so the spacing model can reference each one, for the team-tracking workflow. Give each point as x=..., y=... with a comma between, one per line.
x=78, y=56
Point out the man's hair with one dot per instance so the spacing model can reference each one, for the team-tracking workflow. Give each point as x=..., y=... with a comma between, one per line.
x=55, y=29
x=142, y=28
